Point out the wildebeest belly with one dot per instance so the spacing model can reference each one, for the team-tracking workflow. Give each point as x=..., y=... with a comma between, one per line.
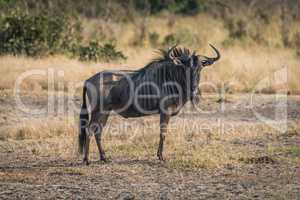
x=139, y=108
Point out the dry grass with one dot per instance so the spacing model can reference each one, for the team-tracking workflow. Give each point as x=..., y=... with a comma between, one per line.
x=35, y=129
x=55, y=137
x=242, y=70
x=138, y=139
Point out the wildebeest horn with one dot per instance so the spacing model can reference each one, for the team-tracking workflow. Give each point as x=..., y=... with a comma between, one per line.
x=217, y=52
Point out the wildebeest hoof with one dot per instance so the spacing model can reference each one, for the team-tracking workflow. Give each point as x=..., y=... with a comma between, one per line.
x=85, y=161
x=103, y=158
x=161, y=158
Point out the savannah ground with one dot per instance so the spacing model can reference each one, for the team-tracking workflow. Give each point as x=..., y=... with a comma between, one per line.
x=243, y=143
x=228, y=154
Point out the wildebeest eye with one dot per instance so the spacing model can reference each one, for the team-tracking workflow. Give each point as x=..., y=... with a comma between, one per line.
x=204, y=62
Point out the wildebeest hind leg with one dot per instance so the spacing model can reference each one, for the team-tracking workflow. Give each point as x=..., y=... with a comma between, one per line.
x=92, y=127
x=98, y=136
x=86, y=150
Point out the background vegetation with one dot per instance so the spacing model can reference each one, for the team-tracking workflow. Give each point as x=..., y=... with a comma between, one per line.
x=256, y=37
x=34, y=27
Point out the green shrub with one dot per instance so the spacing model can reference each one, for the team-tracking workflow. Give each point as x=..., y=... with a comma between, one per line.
x=41, y=35
x=37, y=35
x=94, y=51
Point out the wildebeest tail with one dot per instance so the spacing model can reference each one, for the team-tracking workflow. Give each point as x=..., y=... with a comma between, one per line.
x=83, y=121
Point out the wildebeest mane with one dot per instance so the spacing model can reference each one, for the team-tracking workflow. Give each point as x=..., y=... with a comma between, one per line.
x=164, y=66
x=176, y=52
x=163, y=69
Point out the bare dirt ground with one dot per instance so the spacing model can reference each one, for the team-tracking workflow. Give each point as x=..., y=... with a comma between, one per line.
x=271, y=171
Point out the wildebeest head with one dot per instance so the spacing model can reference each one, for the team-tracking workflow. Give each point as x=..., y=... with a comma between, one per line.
x=206, y=61
x=185, y=57
x=193, y=63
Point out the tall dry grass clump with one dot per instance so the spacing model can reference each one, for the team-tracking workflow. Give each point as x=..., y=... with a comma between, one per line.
x=240, y=69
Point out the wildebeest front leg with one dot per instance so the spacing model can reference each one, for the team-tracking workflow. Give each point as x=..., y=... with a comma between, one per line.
x=97, y=125
x=100, y=148
x=164, y=120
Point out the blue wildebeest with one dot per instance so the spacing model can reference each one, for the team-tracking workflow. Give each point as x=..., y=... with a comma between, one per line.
x=162, y=87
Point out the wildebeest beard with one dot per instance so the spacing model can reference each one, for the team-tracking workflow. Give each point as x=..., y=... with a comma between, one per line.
x=195, y=77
